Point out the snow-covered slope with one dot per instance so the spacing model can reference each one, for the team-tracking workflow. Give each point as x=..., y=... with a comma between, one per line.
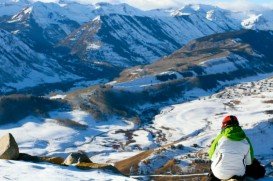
x=208, y=64
x=120, y=34
x=33, y=171
x=109, y=37
x=22, y=67
x=258, y=20
x=220, y=58
x=68, y=131
x=42, y=25
x=139, y=38
x=194, y=124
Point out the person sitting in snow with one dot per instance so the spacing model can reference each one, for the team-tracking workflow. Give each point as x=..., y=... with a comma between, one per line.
x=232, y=154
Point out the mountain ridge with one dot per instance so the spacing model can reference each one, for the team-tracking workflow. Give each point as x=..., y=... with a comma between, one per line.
x=107, y=38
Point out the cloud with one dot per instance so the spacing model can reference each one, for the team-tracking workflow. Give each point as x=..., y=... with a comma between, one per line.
x=268, y=5
x=239, y=5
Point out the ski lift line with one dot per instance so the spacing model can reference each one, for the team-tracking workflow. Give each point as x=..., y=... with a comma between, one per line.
x=187, y=175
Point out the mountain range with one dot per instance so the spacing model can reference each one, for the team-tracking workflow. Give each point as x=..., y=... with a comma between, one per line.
x=201, y=67
x=91, y=42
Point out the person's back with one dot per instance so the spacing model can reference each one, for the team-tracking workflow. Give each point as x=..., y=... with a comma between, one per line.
x=231, y=156
x=231, y=151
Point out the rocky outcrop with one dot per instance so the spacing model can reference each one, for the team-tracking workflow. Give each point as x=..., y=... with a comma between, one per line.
x=88, y=166
x=8, y=148
x=30, y=158
x=77, y=157
x=53, y=160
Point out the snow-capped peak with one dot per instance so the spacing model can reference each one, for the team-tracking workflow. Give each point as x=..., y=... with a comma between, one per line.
x=250, y=22
x=193, y=8
x=22, y=15
x=96, y=19
x=201, y=9
x=123, y=9
x=209, y=15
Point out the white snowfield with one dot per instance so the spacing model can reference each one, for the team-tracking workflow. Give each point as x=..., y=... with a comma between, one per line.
x=142, y=83
x=224, y=64
x=39, y=137
x=52, y=137
x=26, y=171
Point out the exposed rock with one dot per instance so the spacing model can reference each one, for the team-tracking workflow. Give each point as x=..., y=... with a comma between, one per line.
x=87, y=166
x=8, y=148
x=249, y=179
x=29, y=158
x=77, y=157
x=53, y=160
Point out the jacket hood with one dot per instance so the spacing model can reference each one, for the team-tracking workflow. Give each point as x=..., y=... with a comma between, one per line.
x=235, y=133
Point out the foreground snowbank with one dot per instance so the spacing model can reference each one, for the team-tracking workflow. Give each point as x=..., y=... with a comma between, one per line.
x=17, y=170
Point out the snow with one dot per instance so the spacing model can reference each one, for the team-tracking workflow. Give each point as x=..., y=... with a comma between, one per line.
x=114, y=156
x=223, y=64
x=142, y=138
x=58, y=96
x=146, y=44
x=183, y=119
x=194, y=122
x=38, y=68
x=122, y=9
x=209, y=15
x=52, y=136
x=200, y=120
x=20, y=16
x=34, y=78
x=93, y=46
x=250, y=22
x=139, y=84
x=82, y=13
x=32, y=171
